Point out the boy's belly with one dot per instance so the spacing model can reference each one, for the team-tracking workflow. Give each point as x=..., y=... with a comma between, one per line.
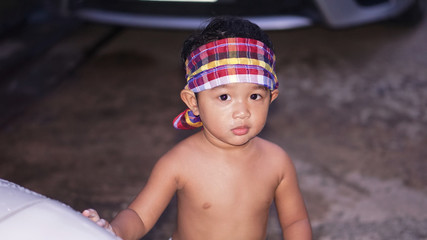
x=244, y=230
x=212, y=221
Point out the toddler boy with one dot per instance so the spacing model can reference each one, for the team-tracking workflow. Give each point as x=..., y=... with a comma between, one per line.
x=224, y=176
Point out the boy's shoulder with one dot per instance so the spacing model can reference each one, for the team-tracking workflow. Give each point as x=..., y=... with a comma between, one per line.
x=188, y=144
x=182, y=150
x=271, y=147
x=277, y=158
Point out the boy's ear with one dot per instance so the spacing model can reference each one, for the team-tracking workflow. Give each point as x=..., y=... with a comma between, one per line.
x=274, y=95
x=189, y=98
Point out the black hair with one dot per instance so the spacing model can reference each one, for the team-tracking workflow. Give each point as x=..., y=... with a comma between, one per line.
x=224, y=27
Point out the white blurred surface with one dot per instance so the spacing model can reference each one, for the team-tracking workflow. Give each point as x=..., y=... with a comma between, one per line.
x=27, y=215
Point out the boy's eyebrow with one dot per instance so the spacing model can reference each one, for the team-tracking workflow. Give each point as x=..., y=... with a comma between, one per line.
x=261, y=87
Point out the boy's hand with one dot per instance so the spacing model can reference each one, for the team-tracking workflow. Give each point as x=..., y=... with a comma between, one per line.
x=94, y=216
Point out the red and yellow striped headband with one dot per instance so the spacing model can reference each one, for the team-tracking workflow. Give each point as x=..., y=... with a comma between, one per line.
x=231, y=60
x=224, y=61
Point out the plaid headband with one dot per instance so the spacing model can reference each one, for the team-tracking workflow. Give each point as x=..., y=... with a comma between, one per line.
x=229, y=60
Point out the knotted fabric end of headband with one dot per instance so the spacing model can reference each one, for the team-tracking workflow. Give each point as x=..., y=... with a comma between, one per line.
x=187, y=120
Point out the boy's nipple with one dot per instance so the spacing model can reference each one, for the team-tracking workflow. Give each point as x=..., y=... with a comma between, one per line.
x=206, y=205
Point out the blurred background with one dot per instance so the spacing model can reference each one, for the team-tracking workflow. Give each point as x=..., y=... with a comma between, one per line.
x=88, y=91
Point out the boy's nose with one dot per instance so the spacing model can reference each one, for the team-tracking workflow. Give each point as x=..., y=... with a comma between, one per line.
x=241, y=111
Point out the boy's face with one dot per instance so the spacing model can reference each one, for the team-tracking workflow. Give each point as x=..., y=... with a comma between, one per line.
x=234, y=113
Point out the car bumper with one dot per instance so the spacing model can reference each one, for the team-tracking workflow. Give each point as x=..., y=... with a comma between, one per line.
x=184, y=23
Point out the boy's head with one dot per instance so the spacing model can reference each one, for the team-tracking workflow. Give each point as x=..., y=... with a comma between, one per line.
x=228, y=50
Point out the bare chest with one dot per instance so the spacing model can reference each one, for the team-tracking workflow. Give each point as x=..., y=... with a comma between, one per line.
x=235, y=188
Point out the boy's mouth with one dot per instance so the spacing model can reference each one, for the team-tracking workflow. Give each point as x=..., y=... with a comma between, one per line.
x=240, y=130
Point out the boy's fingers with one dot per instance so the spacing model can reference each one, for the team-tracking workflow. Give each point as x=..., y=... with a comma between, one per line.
x=100, y=223
x=94, y=216
x=109, y=228
x=86, y=213
x=103, y=223
x=91, y=214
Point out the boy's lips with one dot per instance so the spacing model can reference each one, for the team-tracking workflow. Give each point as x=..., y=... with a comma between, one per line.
x=240, y=130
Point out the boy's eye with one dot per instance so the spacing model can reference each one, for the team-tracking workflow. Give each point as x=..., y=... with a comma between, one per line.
x=224, y=97
x=255, y=96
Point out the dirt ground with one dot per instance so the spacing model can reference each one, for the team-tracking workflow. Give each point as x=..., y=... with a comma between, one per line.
x=351, y=113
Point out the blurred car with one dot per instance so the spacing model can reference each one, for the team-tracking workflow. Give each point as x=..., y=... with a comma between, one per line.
x=13, y=13
x=25, y=215
x=268, y=14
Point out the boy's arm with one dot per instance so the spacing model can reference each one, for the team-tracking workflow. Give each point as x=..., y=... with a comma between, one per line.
x=290, y=206
x=141, y=215
x=128, y=225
